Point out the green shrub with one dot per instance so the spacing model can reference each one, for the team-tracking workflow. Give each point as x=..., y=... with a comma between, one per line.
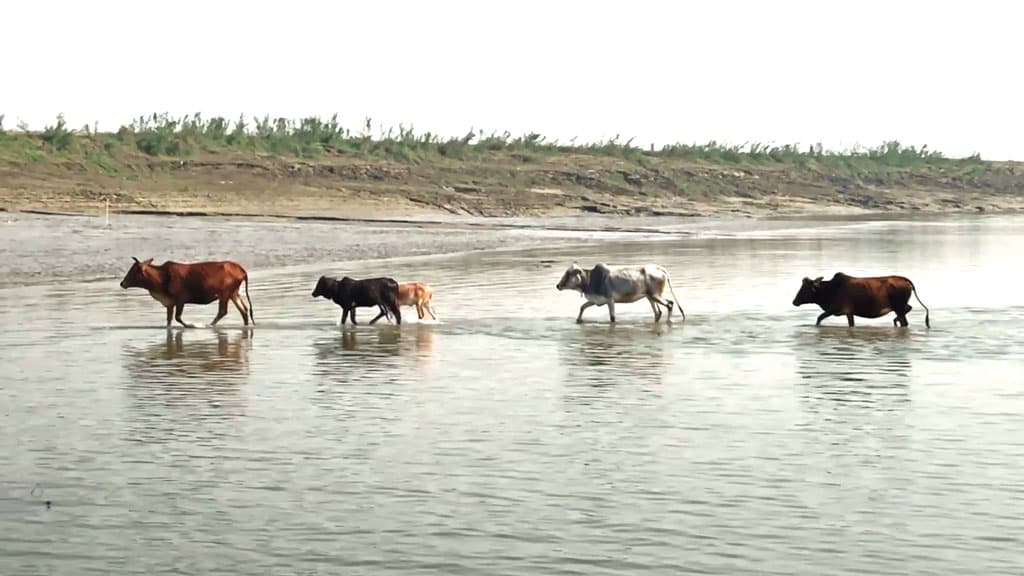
x=58, y=136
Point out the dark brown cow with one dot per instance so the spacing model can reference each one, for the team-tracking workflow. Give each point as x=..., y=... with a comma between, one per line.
x=865, y=297
x=350, y=294
x=174, y=284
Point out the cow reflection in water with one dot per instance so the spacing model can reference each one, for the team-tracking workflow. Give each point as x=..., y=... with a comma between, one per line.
x=186, y=386
x=227, y=353
x=353, y=346
x=866, y=366
x=615, y=355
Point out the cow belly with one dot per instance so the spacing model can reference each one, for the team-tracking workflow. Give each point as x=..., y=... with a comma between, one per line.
x=869, y=312
x=204, y=299
x=619, y=298
x=628, y=298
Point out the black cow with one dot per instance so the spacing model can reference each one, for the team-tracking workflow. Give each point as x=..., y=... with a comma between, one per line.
x=350, y=294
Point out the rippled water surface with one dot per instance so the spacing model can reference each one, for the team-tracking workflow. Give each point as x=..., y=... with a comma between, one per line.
x=506, y=439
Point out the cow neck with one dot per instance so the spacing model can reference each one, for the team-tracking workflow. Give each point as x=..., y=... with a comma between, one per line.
x=165, y=278
x=828, y=289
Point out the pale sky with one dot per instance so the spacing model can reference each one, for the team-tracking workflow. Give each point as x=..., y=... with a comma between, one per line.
x=946, y=74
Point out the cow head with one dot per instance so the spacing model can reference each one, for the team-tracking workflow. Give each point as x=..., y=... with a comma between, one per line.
x=808, y=291
x=573, y=279
x=323, y=287
x=140, y=275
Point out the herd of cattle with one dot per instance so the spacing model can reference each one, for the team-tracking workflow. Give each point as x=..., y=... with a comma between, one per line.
x=175, y=284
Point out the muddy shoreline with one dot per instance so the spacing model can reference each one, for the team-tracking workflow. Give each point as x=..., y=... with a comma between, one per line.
x=499, y=186
x=91, y=250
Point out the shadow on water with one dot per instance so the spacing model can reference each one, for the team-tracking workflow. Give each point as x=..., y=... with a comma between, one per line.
x=599, y=356
x=182, y=379
x=870, y=365
x=356, y=350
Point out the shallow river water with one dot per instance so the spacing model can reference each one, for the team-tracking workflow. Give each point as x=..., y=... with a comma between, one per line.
x=506, y=439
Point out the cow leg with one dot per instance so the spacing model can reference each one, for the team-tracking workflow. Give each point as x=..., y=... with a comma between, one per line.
x=587, y=304
x=821, y=317
x=170, y=315
x=849, y=319
x=379, y=315
x=611, y=310
x=430, y=309
x=419, y=310
x=352, y=314
x=668, y=304
x=177, y=316
x=654, y=306
x=222, y=311
x=902, y=317
x=237, y=301
x=344, y=316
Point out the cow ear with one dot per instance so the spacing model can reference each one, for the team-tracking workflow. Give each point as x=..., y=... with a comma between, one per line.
x=147, y=261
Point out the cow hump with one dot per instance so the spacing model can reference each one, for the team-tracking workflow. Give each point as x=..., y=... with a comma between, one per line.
x=598, y=281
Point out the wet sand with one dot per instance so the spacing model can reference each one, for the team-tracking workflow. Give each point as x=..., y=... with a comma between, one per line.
x=48, y=249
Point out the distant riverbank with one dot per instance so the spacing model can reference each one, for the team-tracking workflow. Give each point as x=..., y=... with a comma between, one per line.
x=320, y=170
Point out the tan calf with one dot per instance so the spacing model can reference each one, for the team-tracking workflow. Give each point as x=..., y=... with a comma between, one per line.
x=416, y=294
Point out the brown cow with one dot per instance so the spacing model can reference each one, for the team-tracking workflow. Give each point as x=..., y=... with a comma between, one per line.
x=174, y=284
x=416, y=294
x=865, y=297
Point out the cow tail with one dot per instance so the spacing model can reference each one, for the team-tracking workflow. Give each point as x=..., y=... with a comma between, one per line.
x=396, y=309
x=675, y=299
x=251, y=317
x=918, y=298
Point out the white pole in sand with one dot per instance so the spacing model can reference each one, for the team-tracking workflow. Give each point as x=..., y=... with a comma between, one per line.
x=108, y=213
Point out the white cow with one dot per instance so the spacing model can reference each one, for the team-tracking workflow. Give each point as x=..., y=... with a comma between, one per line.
x=602, y=285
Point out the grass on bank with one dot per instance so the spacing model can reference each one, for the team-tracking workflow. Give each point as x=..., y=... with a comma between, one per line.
x=160, y=135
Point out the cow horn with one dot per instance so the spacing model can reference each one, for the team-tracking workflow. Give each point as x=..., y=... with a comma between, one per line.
x=135, y=259
x=819, y=279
